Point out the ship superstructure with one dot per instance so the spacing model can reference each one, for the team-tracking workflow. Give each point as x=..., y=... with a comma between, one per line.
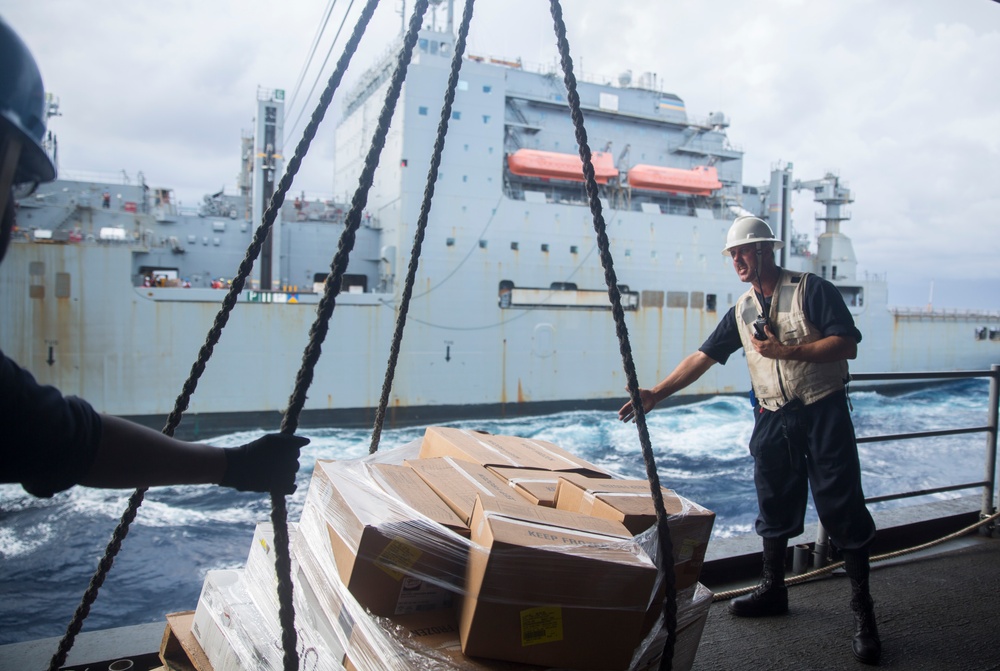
x=110, y=288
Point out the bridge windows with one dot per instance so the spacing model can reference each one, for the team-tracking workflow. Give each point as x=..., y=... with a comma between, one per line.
x=562, y=296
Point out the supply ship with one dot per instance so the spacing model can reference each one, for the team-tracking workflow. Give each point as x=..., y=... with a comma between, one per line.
x=109, y=288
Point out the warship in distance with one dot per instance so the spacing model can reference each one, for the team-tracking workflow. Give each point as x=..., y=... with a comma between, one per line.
x=109, y=288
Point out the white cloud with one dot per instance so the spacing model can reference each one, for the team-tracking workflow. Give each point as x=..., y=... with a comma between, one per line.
x=898, y=99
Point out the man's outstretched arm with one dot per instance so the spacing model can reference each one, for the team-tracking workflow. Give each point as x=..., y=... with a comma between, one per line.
x=692, y=367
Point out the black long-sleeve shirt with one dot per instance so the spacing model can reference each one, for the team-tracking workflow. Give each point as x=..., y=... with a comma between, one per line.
x=48, y=441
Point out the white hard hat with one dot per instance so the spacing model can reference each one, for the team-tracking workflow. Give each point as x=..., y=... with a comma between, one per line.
x=746, y=230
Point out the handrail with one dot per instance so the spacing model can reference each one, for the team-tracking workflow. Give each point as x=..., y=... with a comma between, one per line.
x=928, y=375
x=921, y=434
x=988, y=484
x=925, y=492
x=990, y=429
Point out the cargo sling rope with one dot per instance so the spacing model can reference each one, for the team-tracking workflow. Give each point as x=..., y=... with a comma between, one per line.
x=324, y=311
x=665, y=550
x=326, y=306
x=418, y=236
x=189, y=386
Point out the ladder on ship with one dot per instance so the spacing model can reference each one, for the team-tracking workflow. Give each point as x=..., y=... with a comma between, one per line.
x=332, y=287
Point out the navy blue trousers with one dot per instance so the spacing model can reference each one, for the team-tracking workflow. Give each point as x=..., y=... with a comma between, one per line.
x=810, y=446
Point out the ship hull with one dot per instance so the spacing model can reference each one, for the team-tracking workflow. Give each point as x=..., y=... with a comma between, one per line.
x=510, y=314
x=128, y=350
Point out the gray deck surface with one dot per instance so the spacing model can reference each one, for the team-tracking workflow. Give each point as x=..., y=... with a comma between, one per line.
x=936, y=611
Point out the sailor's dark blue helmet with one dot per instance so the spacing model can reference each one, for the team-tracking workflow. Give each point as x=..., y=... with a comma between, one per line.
x=23, y=107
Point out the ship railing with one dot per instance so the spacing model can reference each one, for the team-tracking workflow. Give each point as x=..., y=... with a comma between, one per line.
x=930, y=311
x=987, y=484
x=108, y=178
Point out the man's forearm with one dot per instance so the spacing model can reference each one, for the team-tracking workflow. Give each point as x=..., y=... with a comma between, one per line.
x=824, y=350
x=131, y=455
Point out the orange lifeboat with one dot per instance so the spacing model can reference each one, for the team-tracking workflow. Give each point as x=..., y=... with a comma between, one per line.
x=701, y=180
x=553, y=165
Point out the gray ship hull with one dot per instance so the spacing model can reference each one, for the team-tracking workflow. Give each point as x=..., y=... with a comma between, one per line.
x=107, y=291
x=129, y=349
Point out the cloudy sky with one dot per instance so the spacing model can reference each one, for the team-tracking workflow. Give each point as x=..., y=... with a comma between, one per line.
x=900, y=99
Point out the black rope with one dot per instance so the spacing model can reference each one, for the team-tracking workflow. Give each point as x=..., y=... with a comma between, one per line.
x=334, y=280
x=320, y=327
x=418, y=237
x=214, y=334
x=103, y=567
x=665, y=550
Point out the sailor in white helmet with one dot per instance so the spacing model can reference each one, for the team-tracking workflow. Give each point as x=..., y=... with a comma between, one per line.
x=798, y=335
x=50, y=442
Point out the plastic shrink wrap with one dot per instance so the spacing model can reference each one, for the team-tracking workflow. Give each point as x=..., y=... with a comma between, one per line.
x=436, y=555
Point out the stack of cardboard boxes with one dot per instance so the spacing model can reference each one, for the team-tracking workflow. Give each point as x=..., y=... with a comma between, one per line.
x=478, y=552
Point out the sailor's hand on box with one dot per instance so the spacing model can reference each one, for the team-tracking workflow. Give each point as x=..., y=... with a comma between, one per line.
x=268, y=464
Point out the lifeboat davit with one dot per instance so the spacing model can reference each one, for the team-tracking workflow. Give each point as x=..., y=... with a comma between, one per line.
x=554, y=165
x=701, y=180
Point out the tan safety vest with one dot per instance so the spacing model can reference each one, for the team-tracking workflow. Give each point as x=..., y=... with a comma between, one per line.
x=775, y=382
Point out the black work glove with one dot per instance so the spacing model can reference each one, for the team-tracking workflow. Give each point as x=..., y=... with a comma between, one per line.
x=268, y=464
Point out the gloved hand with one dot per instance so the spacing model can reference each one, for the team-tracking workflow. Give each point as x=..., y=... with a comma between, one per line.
x=268, y=464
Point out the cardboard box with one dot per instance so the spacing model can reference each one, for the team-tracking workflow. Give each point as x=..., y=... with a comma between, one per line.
x=630, y=502
x=391, y=557
x=418, y=641
x=539, y=593
x=237, y=633
x=178, y=648
x=230, y=629
x=487, y=449
x=334, y=604
x=535, y=485
x=316, y=638
x=458, y=483
x=406, y=485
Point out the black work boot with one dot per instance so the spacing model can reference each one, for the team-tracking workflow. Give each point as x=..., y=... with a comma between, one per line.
x=866, y=644
x=770, y=597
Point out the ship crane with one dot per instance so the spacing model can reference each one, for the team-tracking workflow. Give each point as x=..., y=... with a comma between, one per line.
x=50, y=142
x=834, y=259
x=832, y=194
x=623, y=192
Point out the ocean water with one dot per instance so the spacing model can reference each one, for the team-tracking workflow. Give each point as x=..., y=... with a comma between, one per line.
x=49, y=548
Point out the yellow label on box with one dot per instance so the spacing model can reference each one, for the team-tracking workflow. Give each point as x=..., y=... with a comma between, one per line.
x=541, y=625
x=397, y=555
x=687, y=549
